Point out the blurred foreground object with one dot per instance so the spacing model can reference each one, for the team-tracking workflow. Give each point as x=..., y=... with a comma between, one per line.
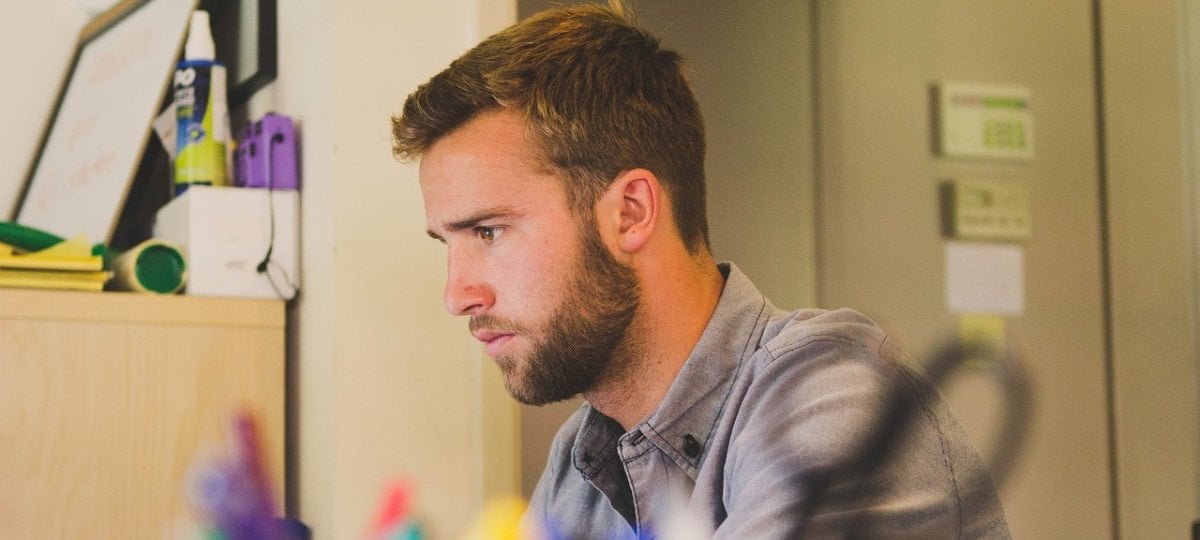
x=504, y=518
x=393, y=520
x=232, y=493
x=1003, y=365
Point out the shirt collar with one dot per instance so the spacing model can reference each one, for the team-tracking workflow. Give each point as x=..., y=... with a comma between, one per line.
x=683, y=422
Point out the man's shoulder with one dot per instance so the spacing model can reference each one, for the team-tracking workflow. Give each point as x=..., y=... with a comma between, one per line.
x=823, y=394
x=790, y=334
x=822, y=376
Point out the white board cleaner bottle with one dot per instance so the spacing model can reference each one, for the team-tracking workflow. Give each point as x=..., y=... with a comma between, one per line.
x=200, y=111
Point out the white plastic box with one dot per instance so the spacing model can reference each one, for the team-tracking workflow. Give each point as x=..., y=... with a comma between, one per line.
x=225, y=233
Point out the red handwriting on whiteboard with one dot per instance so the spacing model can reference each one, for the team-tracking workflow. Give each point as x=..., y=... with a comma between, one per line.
x=99, y=166
x=117, y=59
x=82, y=130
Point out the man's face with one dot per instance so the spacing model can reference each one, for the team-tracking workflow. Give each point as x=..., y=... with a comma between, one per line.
x=544, y=294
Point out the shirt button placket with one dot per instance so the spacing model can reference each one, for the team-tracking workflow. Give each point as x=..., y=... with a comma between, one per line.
x=639, y=473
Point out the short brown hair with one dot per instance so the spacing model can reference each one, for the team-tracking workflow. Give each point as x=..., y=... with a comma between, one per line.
x=600, y=95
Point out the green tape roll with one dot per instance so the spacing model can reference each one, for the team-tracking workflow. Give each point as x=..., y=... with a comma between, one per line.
x=152, y=266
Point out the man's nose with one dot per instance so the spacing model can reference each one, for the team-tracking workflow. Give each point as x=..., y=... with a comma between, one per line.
x=466, y=292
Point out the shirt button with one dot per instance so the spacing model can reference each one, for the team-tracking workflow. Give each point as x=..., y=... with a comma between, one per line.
x=691, y=446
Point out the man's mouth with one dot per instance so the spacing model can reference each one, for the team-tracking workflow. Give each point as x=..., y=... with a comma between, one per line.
x=493, y=341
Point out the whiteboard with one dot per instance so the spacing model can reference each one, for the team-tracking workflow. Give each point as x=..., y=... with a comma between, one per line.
x=98, y=132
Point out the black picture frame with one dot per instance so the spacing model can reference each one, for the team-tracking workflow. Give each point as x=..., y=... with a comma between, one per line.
x=234, y=23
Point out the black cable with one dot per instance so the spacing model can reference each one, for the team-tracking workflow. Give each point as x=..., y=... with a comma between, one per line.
x=267, y=262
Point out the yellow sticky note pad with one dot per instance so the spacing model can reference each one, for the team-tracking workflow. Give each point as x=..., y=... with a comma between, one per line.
x=986, y=331
x=982, y=329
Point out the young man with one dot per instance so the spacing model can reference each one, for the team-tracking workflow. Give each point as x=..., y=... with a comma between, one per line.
x=561, y=163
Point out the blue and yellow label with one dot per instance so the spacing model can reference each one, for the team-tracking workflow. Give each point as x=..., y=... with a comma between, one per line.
x=199, y=124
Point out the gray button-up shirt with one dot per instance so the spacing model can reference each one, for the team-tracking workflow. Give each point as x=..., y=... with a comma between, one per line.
x=761, y=436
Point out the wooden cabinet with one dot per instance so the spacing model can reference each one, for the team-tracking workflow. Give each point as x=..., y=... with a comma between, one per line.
x=106, y=399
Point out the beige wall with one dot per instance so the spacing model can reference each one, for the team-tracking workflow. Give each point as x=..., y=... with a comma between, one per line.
x=1151, y=226
x=880, y=244
x=752, y=72
x=876, y=168
x=1190, y=62
x=385, y=384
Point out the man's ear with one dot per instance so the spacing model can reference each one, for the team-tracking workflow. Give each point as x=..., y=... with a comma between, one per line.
x=635, y=200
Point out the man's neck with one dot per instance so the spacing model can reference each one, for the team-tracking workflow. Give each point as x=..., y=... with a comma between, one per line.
x=677, y=302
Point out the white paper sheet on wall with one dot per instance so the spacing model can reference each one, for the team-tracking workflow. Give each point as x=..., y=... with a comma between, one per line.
x=985, y=278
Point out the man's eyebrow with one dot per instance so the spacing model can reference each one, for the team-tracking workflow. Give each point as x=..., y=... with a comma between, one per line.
x=472, y=221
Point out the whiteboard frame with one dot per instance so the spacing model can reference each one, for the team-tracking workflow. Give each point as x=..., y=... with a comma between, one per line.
x=101, y=219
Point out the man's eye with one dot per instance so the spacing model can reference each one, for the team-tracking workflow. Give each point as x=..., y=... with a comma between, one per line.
x=488, y=234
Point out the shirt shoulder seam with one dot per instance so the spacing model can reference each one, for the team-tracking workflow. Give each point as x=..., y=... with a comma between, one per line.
x=923, y=400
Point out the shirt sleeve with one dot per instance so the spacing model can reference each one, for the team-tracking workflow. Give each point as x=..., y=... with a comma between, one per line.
x=834, y=440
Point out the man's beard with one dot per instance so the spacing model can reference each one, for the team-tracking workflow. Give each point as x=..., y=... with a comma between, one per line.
x=584, y=342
